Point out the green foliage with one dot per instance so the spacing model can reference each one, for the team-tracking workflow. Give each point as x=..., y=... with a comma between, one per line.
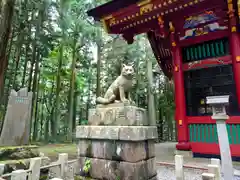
x=87, y=166
x=52, y=34
x=84, y=122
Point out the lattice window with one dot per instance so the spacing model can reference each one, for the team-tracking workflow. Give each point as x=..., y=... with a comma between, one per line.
x=206, y=50
x=213, y=81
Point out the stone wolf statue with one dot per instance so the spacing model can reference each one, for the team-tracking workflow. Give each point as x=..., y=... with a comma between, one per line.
x=120, y=88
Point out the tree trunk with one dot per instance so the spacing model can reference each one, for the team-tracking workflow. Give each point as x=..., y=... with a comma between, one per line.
x=6, y=14
x=20, y=41
x=34, y=47
x=27, y=49
x=57, y=113
x=25, y=66
x=75, y=105
x=98, y=89
x=42, y=115
x=151, y=104
x=35, y=97
x=72, y=90
x=88, y=95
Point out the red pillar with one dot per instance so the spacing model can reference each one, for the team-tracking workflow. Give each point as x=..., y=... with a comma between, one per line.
x=180, y=111
x=235, y=49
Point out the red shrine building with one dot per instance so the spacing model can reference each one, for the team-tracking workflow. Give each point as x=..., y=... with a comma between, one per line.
x=197, y=44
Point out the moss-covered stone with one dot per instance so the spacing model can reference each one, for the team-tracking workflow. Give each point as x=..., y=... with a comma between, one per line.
x=18, y=152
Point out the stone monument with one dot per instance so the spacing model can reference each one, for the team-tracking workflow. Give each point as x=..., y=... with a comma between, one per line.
x=16, y=126
x=118, y=143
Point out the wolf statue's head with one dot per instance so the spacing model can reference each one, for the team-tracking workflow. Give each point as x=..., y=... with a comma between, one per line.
x=127, y=71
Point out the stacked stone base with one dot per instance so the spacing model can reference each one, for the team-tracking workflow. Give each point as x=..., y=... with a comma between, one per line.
x=118, y=152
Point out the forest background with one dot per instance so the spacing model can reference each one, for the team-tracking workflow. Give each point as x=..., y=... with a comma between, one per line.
x=55, y=50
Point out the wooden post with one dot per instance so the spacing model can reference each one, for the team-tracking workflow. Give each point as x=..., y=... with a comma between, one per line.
x=215, y=169
x=208, y=176
x=179, y=167
x=180, y=110
x=19, y=175
x=234, y=46
x=63, y=160
x=35, y=164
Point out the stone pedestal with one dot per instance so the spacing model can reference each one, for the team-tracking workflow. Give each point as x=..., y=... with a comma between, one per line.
x=117, y=151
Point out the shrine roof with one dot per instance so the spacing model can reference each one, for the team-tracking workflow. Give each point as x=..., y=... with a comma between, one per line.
x=133, y=17
x=136, y=17
x=109, y=8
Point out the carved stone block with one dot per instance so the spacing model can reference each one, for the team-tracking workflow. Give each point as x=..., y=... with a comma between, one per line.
x=137, y=133
x=150, y=145
x=133, y=171
x=101, y=168
x=125, y=133
x=131, y=151
x=104, y=132
x=83, y=132
x=151, y=167
x=153, y=178
x=104, y=150
x=117, y=114
x=108, y=169
x=84, y=148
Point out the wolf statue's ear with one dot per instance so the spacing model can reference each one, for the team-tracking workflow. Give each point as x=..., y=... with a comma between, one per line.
x=123, y=65
x=131, y=64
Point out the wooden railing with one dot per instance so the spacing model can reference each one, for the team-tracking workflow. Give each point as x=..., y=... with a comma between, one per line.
x=62, y=169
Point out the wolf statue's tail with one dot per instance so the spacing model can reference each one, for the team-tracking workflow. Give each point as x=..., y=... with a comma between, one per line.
x=101, y=100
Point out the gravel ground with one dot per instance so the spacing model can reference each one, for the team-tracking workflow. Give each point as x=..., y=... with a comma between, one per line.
x=168, y=173
x=165, y=152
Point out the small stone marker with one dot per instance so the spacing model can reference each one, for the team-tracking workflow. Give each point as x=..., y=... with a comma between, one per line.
x=215, y=169
x=16, y=125
x=216, y=162
x=208, y=176
x=179, y=167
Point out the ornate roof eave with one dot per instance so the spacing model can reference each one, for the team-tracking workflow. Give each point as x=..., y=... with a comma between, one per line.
x=109, y=8
x=119, y=24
